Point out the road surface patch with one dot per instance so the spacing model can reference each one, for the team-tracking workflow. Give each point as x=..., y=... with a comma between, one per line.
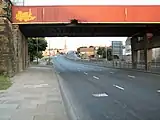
x=121, y=88
x=100, y=95
x=35, y=86
x=131, y=76
x=96, y=77
x=85, y=73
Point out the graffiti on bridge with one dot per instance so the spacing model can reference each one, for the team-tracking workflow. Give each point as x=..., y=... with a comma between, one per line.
x=25, y=16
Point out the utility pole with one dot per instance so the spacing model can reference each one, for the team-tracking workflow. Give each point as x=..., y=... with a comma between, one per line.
x=106, y=53
x=49, y=51
x=155, y=57
x=65, y=47
x=37, y=49
x=23, y=2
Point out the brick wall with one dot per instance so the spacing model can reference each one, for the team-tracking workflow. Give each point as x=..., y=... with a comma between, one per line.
x=13, y=48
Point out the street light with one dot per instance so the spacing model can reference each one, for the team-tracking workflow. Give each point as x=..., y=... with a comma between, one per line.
x=23, y=2
x=49, y=51
x=37, y=49
x=106, y=53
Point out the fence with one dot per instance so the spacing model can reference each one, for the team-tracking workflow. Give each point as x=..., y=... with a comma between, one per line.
x=153, y=67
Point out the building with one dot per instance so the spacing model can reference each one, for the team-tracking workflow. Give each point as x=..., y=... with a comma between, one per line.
x=128, y=52
x=49, y=52
x=156, y=54
x=117, y=49
x=87, y=53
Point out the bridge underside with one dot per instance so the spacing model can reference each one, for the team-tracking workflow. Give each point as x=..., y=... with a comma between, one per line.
x=87, y=30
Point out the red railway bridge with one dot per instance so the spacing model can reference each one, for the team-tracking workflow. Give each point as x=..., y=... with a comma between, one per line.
x=19, y=22
x=93, y=20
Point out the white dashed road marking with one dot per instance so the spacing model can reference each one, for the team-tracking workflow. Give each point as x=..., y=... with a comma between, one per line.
x=121, y=88
x=85, y=73
x=100, y=95
x=95, y=77
x=131, y=76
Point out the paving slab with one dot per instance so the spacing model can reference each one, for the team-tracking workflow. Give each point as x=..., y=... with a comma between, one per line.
x=34, y=95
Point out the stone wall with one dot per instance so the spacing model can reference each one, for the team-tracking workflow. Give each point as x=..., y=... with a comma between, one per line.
x=13, y=48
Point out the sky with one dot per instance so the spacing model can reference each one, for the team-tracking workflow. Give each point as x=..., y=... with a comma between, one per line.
x=91, y=2
x=74, y=42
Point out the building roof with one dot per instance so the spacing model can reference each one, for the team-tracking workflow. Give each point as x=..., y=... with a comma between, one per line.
x=86, y=49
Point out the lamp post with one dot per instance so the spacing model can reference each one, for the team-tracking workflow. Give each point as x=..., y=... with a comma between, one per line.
x=23, y=2
x=37, y=49
x=49, y=51
x=106, y=53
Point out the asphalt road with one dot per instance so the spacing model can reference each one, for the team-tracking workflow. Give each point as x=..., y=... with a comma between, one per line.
x=99, y=93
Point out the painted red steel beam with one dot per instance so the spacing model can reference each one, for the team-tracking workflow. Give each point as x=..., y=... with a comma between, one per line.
x=91, y=14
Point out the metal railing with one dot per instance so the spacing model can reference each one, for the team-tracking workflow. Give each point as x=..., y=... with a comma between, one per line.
x=152, y=66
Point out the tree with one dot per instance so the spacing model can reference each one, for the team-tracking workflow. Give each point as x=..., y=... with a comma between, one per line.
x=32, y=47
x=91, y=46
x=78, y=50
x=102, y=51
x=109, y=54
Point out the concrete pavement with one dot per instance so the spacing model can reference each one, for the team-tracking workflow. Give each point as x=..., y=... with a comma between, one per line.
x=99, y=93
x=34, y=95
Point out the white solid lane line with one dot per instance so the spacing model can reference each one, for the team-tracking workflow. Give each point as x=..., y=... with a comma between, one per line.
x=100, y=95
x=85, y=73
x=131, y=76
x=121, y=88
x=95, y=77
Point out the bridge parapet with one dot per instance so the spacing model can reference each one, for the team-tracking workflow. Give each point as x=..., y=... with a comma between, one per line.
x=85, y=14
x=6, y=9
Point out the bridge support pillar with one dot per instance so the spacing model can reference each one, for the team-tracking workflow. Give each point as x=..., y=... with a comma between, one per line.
x=13, y=48
x=6, y=48
x=147, y=54
x=134, y=52
x=21, y=49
